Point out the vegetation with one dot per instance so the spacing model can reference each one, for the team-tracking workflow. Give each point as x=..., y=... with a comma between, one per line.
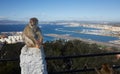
x=60, y=48
x=10, y=51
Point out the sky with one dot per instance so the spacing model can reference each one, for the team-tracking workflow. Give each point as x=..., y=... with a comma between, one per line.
x=52, y=10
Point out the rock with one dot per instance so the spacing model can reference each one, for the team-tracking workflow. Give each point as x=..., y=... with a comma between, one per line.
x=32, y=61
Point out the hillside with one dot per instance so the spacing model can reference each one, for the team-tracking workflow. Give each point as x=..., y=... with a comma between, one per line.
x=60, y=48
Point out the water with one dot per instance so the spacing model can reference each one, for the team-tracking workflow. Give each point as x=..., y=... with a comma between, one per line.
x=11, y=28
x=59, y=29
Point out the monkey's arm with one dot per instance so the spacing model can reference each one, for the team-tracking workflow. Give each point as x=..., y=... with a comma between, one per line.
x=39, y=35
x=28, y=37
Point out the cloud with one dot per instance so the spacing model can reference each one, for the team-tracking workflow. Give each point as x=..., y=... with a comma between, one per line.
x=3, y=17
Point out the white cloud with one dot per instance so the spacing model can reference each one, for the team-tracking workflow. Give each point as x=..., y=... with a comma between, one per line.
x=3, y=17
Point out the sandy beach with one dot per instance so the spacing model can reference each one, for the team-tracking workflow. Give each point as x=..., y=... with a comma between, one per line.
x=67, y=37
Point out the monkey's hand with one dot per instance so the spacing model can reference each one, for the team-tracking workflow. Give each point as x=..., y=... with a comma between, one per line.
x=37, y=44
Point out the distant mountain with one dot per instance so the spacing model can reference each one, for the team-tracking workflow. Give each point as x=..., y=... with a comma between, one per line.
x=90, y=22
x=10, y=22
x=62, y=21
x=87, y=22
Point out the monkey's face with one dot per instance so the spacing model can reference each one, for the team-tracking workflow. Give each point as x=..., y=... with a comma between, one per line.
x=33, y=23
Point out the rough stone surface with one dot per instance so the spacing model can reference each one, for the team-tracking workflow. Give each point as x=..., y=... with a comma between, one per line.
x=32, y=61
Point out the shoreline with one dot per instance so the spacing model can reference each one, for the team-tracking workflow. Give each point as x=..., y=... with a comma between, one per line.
x=14, y=37
x=84, y=40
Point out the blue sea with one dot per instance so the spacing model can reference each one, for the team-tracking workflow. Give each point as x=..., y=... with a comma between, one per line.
x=59, y=29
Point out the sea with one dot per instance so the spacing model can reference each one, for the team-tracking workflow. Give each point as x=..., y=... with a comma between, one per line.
x=59, y=29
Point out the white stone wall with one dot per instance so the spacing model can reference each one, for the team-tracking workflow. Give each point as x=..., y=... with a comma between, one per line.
x=32, y=61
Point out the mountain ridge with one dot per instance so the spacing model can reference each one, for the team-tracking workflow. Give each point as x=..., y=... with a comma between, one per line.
x=11, y=22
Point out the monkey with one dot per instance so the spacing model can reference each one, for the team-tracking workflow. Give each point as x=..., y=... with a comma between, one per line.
x=118, y=56
x=105, y=69
x=32, y=35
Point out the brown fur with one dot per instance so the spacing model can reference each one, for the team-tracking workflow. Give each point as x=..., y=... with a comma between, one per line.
x=32, y=34
x=105, y=70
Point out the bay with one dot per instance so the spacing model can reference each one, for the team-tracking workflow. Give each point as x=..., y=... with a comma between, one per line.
x=59, y=29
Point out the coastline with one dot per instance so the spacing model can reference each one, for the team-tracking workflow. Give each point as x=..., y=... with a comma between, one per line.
x=67, y=37
x=14, y=37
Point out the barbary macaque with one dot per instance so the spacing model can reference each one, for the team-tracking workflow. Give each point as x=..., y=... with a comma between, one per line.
x=105, y=70
x=118, y=56
x=32, y=35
